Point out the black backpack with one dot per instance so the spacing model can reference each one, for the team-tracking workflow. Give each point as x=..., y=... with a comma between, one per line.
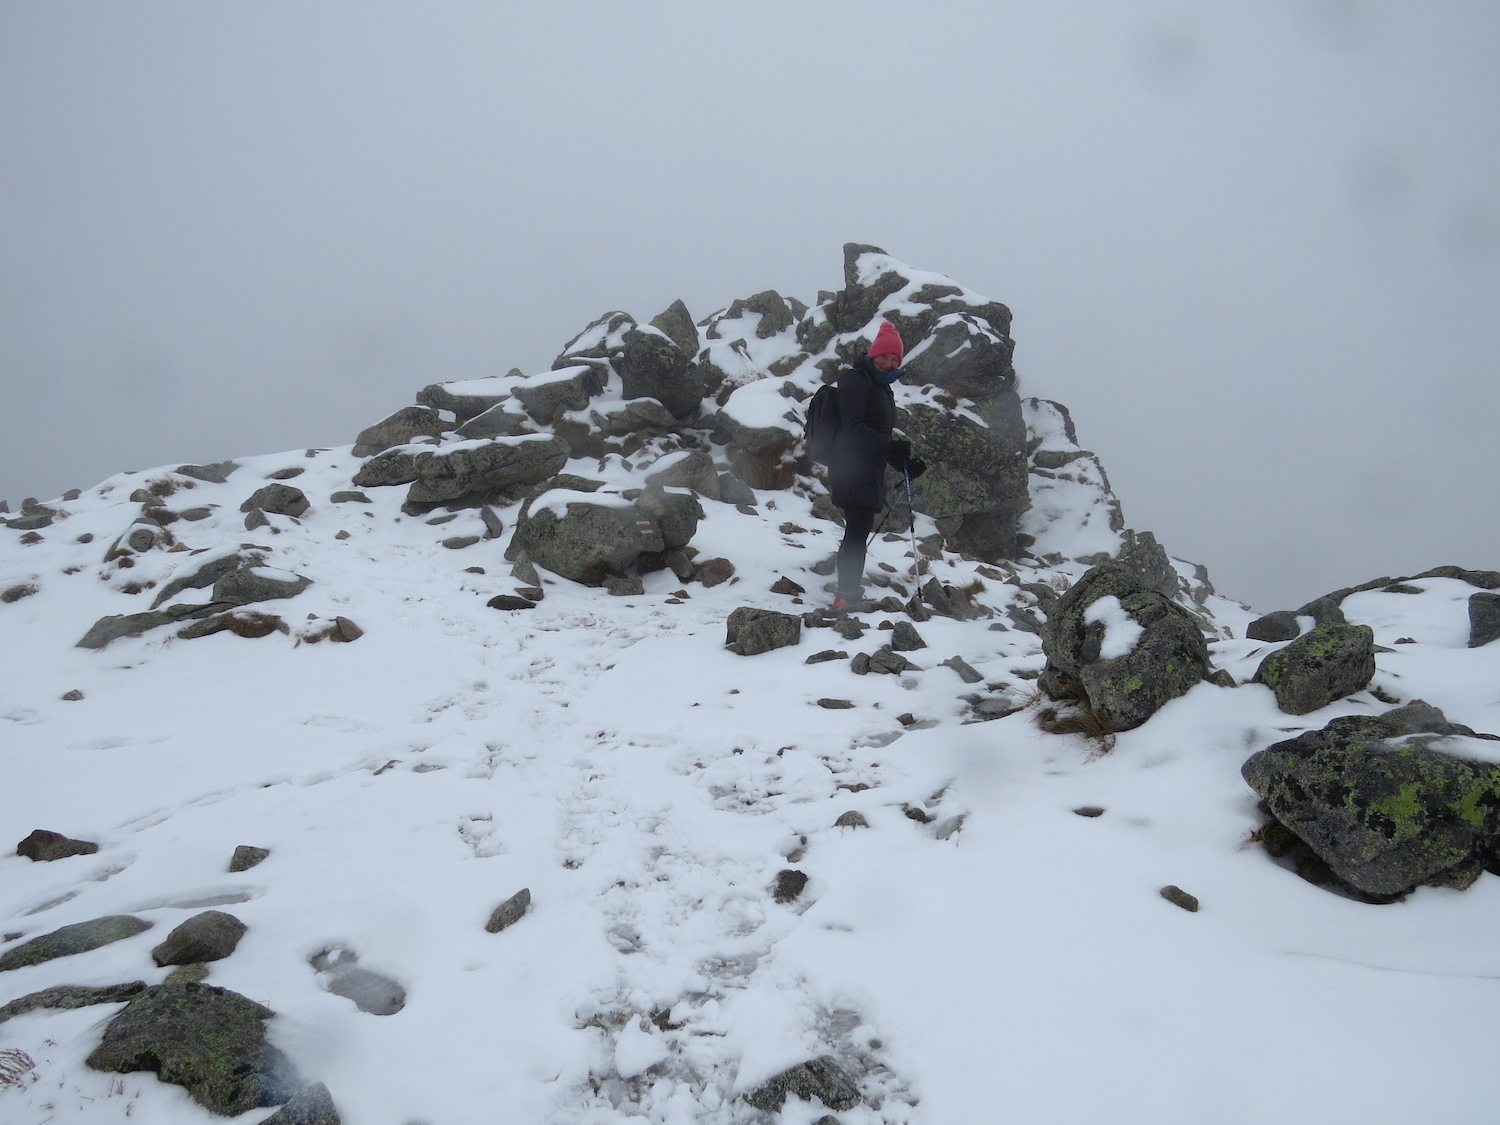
x=823, y=423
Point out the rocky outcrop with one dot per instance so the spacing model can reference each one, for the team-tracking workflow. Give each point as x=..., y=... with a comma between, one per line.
x=1326, y=664
x=1123, y=658
x=590, y=539
x=208, y=1040
x=465, y=469
x=1384, y=801
x=400, y=428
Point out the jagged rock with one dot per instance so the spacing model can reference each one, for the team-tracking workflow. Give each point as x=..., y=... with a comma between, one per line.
x=43, y=845
x=676, y=323
x=785, y=585
x=208, y=1040
x=965, y=671
x=965, y=357
x=115, y=626
x=216, y=473
x=509, y=912
x=694, y=470
x=584, y=539
x=544, y=397
x=676, y=513
x=1484, y=619
x=821, y=1079
x=788, y=885
x=68, y=941
x=1274, y=627
x=1167, y=658
x=1147, y=559
x=905, y=638
x=651, y=365
x=277, y=500
x=1379, y=801
x=345, y=631
x=247, y=856
x=210, y=936
x=1328, y=663
x=311, y=1105
x=72, y=696
x=65, y=997
x=249, y=584
x=752, y=631
x=471, y=467
x=467, y=400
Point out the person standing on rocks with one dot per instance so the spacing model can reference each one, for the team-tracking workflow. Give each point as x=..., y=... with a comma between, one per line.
x=862, y=450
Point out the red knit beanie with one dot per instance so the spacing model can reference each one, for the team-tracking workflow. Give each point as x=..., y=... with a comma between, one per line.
x=887, y=342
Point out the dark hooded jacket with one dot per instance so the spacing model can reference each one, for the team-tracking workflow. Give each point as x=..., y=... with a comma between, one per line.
x=867, y=414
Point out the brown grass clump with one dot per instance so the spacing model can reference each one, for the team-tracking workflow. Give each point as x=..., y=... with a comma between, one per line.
x=253, y=623
x=16, y=593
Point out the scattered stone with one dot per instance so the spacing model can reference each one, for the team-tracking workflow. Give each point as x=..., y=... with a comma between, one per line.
x=624, y=586
x=851, y=819
x=16, y=593
x=311, y=1105
x=509, y=601
x=1327, y=663
x=965, y=672
x=715, y=571
x=752, y=631
x=43, y=846
x=825, y=656
x=208, y=1040
x=821, y=1079
x=788, y=885
x=1179, y=897
x=905, y=638
x=277, y=500
x=349, y=496
x=73, y=696
x=69, y=996
x=850, y=628
x=1089, y=810
x=286, y=474
x=210, y=936
x=246, y=856
x=835, y=704
x=509, y=912
x=785, y=585
x=459, y=542
x=345, y=630
x=81, y=937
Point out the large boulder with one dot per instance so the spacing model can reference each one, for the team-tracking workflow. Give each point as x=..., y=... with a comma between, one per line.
x=1383, y=801
x=277, y=499
x=588, y=539
x=751, y=631
x=963, y=356
x=1323, y=665
x=695, y=470
x=466, y=468
x=67, y=941
x=1484, y=619
x=208, y=1040
x=762, y=429
x=552, y=393
x=1119, y=648
x=405, y=425
x=209, y=936
x=651, y=365
x=467, y=399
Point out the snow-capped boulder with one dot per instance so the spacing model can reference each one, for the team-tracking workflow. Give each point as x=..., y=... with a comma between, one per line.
x=1328, y=663
x=588, y=539
x=651, y=365
x=964, y=357
x=400, y=428
x=761, y=427
x=544, y=397
x=500, y=420
x=692, y=469
x=1120, y=648
x=467, y=399
x=1383, y=801
x=277, y=500
x=465, y=468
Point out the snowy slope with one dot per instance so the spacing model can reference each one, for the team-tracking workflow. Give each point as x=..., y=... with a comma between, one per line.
x=979, y=952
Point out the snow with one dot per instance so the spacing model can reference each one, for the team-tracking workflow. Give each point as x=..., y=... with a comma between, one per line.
x=1121, y=631
x=762, y=406
x=1005, y=960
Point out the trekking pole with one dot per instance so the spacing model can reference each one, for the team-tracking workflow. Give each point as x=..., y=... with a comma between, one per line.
x=911, y=515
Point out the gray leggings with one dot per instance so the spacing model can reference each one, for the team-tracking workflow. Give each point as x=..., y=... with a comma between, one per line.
x=858, y=523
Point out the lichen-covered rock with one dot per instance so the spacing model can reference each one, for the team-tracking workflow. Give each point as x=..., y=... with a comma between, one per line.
x=1382, y=800
x=67, y=941
x=752, y=631
x=821, y=1079
x=209, y=936
x=466, y=468
x=1484, y=619
x=1325, y=664
x=65, y=997
x=677, y=324
x=552, y=393
x=1167, y=658
x=248, y=584
x=584, y=538
x=208, y=1040
x=405, y=425
x=651, y=365
x=43, y=845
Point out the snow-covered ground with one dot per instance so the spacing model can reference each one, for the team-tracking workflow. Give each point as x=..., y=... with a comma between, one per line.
x=980, y=952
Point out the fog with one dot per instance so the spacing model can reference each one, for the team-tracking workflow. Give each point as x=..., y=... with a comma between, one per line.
x=1253, y=246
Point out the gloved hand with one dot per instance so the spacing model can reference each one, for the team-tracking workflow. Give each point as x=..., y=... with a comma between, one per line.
x=900, y=454
x=915, y=468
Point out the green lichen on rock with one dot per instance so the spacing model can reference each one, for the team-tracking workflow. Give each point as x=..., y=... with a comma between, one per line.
x=1322, y=665
x=1382, y=800
x=208, y=1040
x=67, y=941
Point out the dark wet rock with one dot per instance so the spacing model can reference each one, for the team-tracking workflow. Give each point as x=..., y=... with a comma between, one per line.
x=821, y=1079
x=208, y=1040
x=1179, y=897
x=835, y=704
x=1328, y=663
x=68, y=941
x=68, y=996
x=1274, y=627
x=43, y=845
x=1168, y=658
x=210, y=936
x=788, y=885
x=752, y=631
x=509, y=601
x=509, y=912
x=1384, y=801
x=1484, y=619
x=311, y=1105
x=277, y=500
x=247, y=856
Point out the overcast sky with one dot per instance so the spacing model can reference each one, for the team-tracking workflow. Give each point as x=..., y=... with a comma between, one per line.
x=1253, y=245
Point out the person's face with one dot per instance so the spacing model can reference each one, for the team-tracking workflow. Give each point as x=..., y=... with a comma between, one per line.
x=884, y=363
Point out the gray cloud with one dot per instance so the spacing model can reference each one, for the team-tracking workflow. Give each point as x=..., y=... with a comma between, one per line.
x=1253, y=247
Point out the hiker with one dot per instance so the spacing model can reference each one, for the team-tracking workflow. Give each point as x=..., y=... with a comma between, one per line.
x=862, y=450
